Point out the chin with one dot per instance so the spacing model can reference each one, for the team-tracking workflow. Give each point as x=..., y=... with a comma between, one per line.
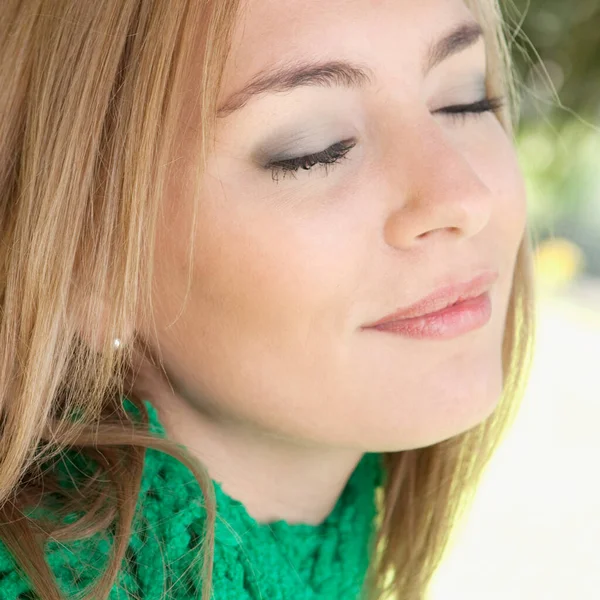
x=466, y=420
x=439, y=417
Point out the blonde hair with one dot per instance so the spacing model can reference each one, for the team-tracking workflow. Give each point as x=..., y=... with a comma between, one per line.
x=90, y=100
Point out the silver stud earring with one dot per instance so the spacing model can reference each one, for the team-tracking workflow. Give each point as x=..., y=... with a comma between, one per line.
x=116, y=343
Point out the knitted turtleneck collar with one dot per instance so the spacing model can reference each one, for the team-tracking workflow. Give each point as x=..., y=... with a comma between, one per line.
x=276, y=561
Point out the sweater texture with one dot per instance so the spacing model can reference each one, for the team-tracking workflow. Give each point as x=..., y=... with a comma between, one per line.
x=274, y=561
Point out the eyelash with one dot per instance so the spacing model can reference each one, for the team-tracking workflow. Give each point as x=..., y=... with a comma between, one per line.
x=461, y=111
x=325, y=158
x=338, y=151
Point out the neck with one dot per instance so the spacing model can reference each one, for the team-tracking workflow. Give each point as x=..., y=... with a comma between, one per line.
x=274, y=477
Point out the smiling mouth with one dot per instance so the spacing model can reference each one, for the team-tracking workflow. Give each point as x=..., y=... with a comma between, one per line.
x=446, y=313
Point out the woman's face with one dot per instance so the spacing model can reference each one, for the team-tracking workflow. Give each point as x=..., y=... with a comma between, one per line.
x=288, y=266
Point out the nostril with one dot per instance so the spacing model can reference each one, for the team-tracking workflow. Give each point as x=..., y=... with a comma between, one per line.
x=428, y=233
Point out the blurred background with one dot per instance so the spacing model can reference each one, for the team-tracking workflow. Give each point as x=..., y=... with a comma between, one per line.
x=534, y=530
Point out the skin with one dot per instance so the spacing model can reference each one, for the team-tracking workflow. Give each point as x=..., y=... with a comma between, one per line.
x=270, y=379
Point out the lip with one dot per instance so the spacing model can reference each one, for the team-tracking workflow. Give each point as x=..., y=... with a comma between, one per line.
x=447, y=312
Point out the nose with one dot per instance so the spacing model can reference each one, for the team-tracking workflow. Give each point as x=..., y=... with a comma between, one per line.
x=435, y=189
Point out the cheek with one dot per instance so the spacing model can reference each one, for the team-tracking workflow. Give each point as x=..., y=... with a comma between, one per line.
x=269, y=305
x=265, y=273
x=281, y=264
x=493, y=158
x=499, y=168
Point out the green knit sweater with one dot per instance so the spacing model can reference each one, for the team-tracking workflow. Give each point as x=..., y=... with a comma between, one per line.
x=275, y=561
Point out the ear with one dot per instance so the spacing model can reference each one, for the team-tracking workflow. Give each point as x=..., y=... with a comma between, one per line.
x=91, y=319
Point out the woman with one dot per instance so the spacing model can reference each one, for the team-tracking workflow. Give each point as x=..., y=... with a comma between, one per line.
x=265, y=292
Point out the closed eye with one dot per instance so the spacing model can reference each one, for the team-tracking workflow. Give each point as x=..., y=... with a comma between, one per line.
x=338, y=151
x=334, y=154
x=462, y=111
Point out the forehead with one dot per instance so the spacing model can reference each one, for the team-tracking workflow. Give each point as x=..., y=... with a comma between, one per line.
x=395, y=32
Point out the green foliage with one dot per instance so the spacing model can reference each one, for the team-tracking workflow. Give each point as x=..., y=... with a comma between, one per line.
x=557, y=53
x=558, y=40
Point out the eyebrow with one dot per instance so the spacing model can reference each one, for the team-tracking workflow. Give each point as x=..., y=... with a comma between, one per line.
x=343, y=73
